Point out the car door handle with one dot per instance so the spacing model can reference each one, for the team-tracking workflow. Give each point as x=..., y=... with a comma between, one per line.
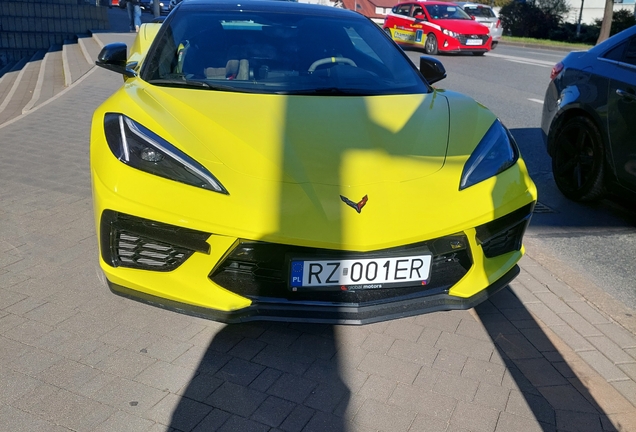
x=626, y=94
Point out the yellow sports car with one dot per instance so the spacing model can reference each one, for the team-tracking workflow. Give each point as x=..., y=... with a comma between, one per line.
x=284, y=161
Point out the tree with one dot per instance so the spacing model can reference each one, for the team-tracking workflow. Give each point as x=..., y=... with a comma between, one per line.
x=606, y=26
x=557, y=8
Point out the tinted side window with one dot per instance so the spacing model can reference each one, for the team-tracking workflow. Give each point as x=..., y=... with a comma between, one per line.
x=629, y=56
x=402, y=9
x=616, y=53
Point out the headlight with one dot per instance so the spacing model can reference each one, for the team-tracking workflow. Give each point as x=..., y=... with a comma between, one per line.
x=449, y=33
x=496, y=152
x=140, y=148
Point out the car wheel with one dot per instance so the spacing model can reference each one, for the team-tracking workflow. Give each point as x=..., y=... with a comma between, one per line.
x=388, y=32
x=578, y=160
x=430, y=45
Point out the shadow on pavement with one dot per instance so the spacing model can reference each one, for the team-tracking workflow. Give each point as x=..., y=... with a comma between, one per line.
x=254, y=377
x=548, y=386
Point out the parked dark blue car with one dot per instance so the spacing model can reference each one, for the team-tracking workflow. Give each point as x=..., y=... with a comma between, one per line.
x=589, y=120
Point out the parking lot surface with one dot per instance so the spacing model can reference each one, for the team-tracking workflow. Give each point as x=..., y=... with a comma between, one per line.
x=74, y=357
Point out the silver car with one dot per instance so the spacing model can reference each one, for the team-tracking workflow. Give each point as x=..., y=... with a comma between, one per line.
x=485, y=15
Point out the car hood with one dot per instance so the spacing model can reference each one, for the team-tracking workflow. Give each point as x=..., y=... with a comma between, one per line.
x=462, y=26
x=265, y=151
x=346, y=141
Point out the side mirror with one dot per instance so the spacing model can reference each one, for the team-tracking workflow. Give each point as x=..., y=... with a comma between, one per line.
x=420, y=17
x=472, y=17
x=432, y=69
x=113, y=57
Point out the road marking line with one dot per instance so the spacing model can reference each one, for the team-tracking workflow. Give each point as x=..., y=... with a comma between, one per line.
x=525, y=60
x=536, y=100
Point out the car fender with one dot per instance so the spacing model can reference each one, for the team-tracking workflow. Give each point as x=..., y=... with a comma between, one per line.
x=574, y=99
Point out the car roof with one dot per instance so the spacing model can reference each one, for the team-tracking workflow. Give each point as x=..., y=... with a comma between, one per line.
x=428, y=2
x=462, y=4
x=288, y=6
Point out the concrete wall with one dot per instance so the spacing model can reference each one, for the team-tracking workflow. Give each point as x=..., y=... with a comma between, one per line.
x=27, y=26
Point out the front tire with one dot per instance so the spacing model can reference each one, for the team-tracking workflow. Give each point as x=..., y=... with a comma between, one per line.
x=430, y=45
x=578, y=160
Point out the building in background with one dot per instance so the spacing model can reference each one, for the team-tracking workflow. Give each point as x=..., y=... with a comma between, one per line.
x=593, y=9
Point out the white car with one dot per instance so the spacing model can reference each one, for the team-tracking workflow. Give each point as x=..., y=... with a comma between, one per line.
x=487, y=16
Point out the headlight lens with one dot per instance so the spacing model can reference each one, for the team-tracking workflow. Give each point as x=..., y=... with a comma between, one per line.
x=496, y=152
x=449, y=33
x=139, y=147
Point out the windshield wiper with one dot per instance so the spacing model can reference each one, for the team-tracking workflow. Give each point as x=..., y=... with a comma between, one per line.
x=178, y=82
x=329, y=91
x=186, y=83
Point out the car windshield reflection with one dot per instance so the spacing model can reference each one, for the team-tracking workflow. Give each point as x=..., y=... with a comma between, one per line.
x=276, y=53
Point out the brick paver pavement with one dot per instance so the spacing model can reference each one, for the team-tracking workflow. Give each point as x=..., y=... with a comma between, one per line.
x=74, y=357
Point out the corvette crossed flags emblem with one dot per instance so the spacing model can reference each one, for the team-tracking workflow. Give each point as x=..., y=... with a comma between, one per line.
x=356, y=206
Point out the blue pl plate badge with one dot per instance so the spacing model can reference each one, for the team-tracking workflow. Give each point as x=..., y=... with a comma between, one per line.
x=296, y=273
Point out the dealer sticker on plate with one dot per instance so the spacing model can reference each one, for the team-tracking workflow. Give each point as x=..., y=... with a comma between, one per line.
x=368, y=273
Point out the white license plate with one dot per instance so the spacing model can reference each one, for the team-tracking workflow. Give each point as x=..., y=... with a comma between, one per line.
x=473, y=41
x=367, y=273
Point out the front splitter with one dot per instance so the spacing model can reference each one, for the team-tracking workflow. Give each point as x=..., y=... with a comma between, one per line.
x=325, y=313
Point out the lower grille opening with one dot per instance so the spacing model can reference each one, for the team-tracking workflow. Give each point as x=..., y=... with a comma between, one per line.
x=504, y=234
x=260, y=271
x=129, y=241
x=507, y=241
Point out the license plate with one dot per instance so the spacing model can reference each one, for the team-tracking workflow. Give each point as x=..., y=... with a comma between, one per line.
x=473, y=41
x=367, y=273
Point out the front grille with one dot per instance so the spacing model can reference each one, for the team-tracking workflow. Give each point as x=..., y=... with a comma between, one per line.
x=134, y=242
x=259, y=271
x=463, y=38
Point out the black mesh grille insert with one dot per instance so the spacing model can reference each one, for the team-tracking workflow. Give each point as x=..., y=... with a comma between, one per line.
x=135, y=251
x=260, y=270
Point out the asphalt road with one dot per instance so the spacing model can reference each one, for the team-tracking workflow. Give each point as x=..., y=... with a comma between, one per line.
x=595, y=242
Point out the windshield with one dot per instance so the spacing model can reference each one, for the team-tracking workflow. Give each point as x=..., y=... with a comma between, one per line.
x=279, y=53
x=479, y=11
x=447, y=12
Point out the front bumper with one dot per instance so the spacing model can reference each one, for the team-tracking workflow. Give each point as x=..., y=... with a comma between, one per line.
x=459, y=44
x=325, y=314
x=236, y=280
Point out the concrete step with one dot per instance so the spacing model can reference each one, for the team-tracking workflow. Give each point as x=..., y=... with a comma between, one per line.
x=16, y=89
x=6, y=68
x=51, y=78
x=75, y=62
x=90, y=47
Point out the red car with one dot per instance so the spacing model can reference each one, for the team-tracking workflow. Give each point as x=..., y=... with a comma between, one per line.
x=437, y=27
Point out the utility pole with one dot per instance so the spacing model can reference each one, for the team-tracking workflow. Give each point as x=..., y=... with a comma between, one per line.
x=578, y=25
